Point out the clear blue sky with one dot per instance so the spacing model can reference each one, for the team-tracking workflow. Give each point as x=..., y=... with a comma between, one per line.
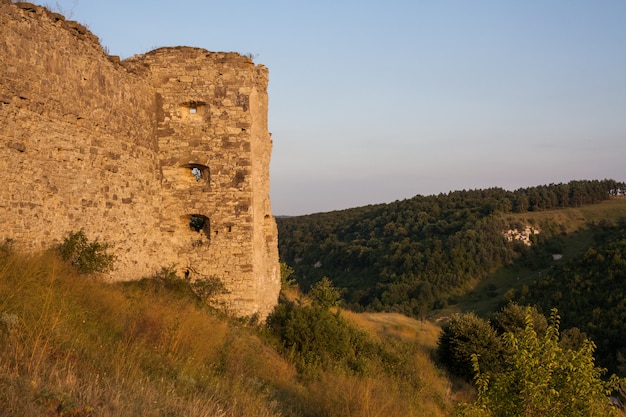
x=376, y=101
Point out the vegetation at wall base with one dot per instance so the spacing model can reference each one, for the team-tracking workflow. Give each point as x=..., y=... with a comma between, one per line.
x=88, y=256
x=71, y=345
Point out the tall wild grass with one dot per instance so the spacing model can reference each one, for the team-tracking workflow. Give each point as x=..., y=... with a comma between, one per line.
x=71, y=345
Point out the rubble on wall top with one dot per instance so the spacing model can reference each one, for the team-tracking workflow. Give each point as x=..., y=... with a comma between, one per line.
x=74, y=27
x=196, y=51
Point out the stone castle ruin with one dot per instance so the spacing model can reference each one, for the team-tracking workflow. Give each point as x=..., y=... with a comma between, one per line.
x=165, y=155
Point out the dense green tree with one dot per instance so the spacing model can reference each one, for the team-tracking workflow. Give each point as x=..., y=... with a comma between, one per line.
x=512, y=318
x=540, y=378
x=325, y=294
x=462, y=337
x=316, y=338
x=286, y=276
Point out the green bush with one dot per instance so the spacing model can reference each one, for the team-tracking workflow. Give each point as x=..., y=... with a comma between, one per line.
x=463, y=336
x=286, y=277
x=512, y=318
x=318, y=339
x=208, y=288
x=325, y=294
x=166, y=279
x=87, y=256
x=540, y=378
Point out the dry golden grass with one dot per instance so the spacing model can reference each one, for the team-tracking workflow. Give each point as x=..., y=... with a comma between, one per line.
x=398, y=326
x=575, y=218
x=73, y=346
x=436, y=392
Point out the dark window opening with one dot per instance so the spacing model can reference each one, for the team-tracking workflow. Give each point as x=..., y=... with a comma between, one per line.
x=199, y=223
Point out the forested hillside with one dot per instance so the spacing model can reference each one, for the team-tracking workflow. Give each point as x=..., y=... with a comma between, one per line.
x=411, y=256
x=590, y=293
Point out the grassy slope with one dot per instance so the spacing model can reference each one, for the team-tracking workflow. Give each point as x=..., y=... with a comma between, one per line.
x=488, y=294
x=73, y=346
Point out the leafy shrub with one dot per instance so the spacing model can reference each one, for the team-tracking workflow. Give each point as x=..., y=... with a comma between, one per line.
x=465, y=335
x=208, y=288
x=512, y=318
x=325, y=294
x=317, y=338
x=87, y=256
x=166, y=279
x=540, y=378
x=286, y=277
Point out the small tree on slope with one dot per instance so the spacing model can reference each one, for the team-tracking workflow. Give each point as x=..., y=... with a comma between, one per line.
x=542, y=379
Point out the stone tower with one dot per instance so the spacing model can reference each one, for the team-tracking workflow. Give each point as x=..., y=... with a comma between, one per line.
x=164, y=155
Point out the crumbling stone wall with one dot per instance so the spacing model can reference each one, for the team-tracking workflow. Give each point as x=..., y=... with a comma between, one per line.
x=164, y=155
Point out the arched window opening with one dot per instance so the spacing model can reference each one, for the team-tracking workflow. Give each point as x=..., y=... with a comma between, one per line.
x=198, y=172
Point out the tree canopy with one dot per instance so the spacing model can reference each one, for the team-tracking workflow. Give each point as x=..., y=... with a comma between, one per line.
x=411, y=256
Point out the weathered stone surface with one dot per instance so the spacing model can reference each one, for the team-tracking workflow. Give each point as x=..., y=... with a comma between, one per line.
x=88, y=142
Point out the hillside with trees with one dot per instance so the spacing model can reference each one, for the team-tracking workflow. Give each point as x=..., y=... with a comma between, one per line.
x=590, y=291
x=415, y=255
